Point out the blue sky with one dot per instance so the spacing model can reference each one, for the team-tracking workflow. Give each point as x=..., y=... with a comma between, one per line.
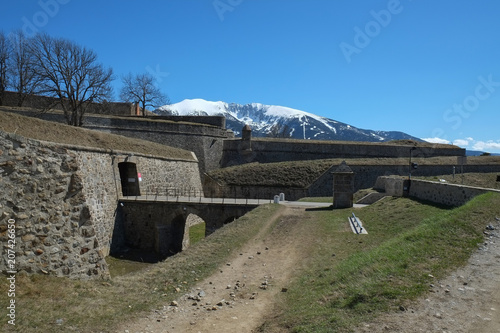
x=427, y=68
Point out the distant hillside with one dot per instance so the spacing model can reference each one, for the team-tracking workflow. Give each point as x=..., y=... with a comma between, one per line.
x=478, y=153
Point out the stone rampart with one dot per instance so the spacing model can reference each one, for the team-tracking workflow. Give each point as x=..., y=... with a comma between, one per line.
x=365, y=176
x=63, y=200
x=11, y=98
x=452, y=195
x=445, y=194
x=217, y=121
x=161, y=227
x=204, y=140
x=270, y=151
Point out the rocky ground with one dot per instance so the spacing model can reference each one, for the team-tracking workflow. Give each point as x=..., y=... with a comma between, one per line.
x=242, y=292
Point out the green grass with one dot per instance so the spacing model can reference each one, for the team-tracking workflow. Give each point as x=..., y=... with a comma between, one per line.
x=196, y=233
x=317, y=199
x=487, y=180
x=120, y=267
x=353, y=278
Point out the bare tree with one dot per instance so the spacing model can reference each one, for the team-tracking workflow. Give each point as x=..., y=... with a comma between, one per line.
x=72, y=75
x=142, y=89
x=5, y=52
x=23, y=78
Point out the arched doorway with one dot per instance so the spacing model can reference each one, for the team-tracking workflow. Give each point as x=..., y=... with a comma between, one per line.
x=129, y=179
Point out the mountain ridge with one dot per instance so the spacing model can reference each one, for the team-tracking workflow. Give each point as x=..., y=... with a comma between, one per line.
x=266, y=120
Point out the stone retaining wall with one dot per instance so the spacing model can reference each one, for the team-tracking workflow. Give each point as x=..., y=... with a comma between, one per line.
x=452, y=195
x=365, y=176
x=270, y=151
x=445, y=194
x=204, y=140
x=64, y=199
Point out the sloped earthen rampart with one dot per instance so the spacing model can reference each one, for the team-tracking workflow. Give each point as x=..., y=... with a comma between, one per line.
x=204, y=139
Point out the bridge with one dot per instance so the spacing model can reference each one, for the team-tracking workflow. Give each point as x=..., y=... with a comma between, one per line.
x=157, y=224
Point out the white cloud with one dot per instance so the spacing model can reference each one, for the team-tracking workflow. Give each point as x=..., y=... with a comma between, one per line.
x=437, y=140
x=462, y=142
x=490, y=146
x=487, y=145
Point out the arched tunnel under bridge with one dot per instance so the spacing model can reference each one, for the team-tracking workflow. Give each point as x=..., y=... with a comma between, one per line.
x=158, y=229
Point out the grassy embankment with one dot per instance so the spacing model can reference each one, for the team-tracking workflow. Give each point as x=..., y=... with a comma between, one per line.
x=352, y=278
x=346, y=280
x=300, y=174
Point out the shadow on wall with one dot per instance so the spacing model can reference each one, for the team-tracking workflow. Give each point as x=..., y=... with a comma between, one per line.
x=151, y=244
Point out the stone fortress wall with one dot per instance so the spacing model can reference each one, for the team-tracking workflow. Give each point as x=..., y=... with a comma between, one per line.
x=216, y=147
x=63, y=200
x=11, y=98
x=236, y=152
x=365, y=177
x=452, y=195
x=205, y=139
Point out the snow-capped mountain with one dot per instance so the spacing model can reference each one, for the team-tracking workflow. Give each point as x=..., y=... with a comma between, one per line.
x=266, y=120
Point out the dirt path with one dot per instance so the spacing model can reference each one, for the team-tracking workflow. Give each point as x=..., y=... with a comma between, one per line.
x=467, y=301
x=236, y=298
x=242, y=292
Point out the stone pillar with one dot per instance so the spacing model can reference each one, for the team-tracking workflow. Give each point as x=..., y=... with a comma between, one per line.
x=343, y=186
x=246, y=138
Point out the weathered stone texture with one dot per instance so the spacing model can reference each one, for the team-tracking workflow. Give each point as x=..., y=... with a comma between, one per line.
x=42, y=192
x=235, y=152
x=440, y=193
x=159, y=176
x=446, y=194
x=63, y=200
x=343, y=186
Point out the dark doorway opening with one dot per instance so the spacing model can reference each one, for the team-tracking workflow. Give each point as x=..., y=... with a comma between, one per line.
x=129, y=179
x=177, y=231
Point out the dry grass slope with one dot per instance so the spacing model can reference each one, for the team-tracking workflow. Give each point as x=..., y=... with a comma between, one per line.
x=59, y=133
x=302, y=173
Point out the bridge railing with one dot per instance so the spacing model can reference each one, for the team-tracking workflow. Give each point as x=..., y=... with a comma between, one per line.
x=189, y=194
